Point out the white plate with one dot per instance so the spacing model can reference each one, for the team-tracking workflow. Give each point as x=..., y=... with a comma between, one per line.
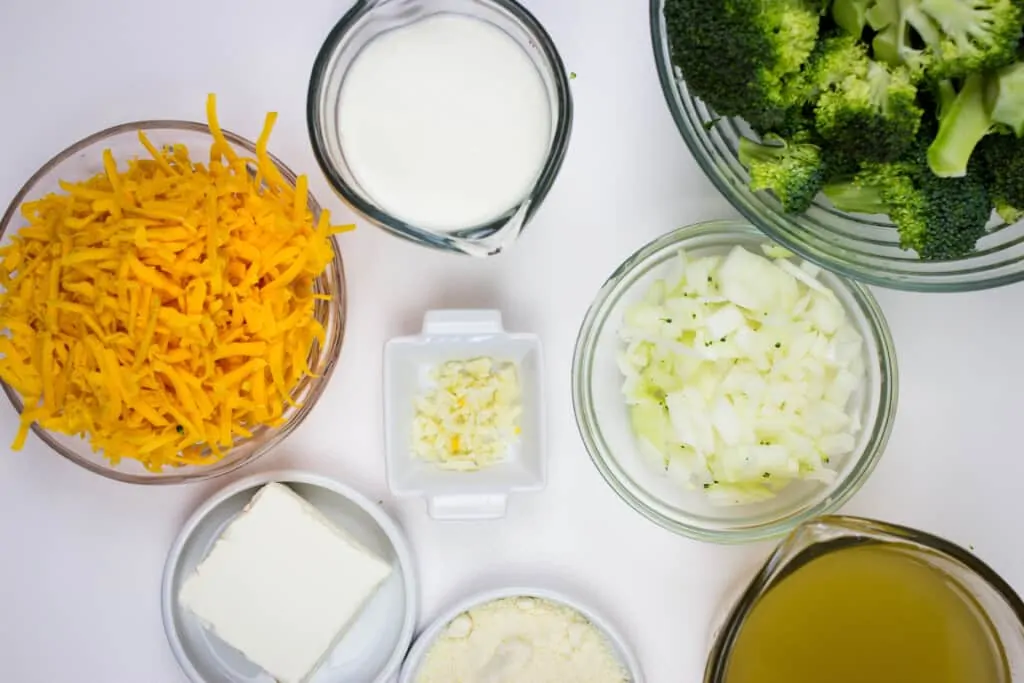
x=426, y=639
x=373, y=648
x=460, y=335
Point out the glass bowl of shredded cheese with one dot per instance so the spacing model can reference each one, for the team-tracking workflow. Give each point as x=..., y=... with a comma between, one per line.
x=727, y=390
x=172, y=298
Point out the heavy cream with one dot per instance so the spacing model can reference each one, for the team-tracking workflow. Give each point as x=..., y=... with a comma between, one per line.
x=445, y=123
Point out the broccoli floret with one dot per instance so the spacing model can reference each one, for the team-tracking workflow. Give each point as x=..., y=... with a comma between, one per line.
x=984, y=103
x=960, y=37
x=939, y=218
x=832, y=61
x=839, y=165
x=866, y=108
x=792, y=171
x=738, y=55
x=1002, y=157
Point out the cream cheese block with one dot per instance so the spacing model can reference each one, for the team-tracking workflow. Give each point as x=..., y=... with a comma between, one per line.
x=282, y=584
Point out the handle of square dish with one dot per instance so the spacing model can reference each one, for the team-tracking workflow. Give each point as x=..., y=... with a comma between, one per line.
x=462, y=321
x=471, y=507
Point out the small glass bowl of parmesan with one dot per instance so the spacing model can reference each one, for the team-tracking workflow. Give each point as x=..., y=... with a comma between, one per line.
x=464, y=418
x=727, y=390
x=164, y=390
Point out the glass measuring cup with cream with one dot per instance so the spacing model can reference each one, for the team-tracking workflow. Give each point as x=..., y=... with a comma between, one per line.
x=443, y=122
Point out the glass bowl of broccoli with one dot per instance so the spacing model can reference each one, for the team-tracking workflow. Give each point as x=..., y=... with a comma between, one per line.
x=881, y=139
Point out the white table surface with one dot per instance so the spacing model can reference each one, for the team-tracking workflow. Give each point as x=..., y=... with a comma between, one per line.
x=80, y=556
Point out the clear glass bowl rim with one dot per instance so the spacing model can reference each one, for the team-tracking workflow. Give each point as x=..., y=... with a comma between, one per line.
x=396, y=226
x=330, y=353
x=583, y=408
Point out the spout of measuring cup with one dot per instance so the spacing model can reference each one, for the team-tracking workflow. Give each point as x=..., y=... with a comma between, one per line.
x=480, y=245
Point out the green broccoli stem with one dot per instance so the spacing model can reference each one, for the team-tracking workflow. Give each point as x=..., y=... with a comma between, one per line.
x=883, y=17
x=963, y=124
x=911, y=13
x=1010, y=214
x=751, y=151
x=851, y=15
x=886, y=45
x=1008, y=107
x=855, y=197
x=890, y=19
x=945, y=96
x=882, y=14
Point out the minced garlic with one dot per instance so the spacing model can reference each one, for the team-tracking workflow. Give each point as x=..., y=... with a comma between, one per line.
x=470, y=416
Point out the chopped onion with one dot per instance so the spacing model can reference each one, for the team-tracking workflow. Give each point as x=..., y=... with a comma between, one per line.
x=740, y=375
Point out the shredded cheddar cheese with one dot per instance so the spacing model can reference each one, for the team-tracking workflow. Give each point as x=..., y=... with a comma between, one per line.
x=164, y=309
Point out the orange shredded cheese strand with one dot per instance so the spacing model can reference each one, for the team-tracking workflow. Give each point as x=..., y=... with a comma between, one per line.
x=164, y=309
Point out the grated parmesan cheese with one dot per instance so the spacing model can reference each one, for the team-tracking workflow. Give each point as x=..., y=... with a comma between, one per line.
x=525, y=639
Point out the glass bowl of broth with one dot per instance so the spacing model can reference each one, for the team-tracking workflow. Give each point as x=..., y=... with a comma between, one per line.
x=850, y=600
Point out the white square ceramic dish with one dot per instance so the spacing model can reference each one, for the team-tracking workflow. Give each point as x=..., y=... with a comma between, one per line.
x=460, y=335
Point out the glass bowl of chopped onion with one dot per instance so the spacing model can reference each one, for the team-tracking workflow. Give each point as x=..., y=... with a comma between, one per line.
x=727, y=390
x=141, y=343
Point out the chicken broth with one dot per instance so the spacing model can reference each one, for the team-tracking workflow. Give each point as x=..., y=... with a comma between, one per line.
x=866, y=614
